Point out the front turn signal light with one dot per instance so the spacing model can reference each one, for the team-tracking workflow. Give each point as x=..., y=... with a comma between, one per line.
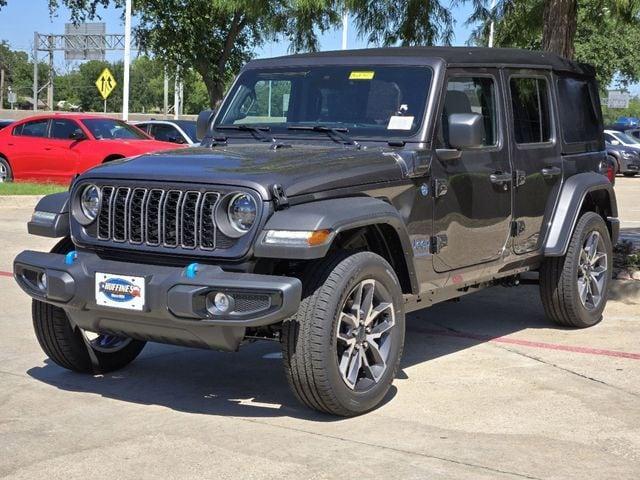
x=297, y=238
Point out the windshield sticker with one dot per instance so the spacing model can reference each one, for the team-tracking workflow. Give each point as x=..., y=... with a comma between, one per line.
x=400, y=123
x=361, y=75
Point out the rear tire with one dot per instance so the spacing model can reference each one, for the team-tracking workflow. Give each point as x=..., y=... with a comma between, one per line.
x=6, y=174
x=341, y=351
x=574, y=288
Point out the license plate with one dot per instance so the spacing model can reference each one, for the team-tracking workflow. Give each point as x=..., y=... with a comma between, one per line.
x=120, y=291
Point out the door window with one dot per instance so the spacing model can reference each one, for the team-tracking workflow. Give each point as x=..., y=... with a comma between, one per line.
x=471, y=95
x=531, y=110
x=62, y=129
x=35, y=128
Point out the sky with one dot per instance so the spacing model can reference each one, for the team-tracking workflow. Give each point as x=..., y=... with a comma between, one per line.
x=21, y=18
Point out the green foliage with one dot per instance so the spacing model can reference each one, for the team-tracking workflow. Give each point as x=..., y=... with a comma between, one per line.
x=24, y=188
x=19, y=71
x=607, y=34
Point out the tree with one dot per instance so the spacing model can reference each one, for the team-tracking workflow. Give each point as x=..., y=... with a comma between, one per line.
x=606, y=34
x=556, y=21
x=216, y=37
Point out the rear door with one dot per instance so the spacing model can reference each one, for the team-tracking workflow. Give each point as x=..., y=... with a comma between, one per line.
x=471, y=219
x=27, y=150
x=535, y=153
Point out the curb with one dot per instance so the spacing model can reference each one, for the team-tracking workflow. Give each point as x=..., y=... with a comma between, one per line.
x=19, y=201
x=625, y=291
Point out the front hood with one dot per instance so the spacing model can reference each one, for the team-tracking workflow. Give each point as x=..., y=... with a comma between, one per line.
x=141, y=146
x=299, y=169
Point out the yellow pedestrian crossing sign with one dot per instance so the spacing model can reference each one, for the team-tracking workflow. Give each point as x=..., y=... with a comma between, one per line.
x=106, y=83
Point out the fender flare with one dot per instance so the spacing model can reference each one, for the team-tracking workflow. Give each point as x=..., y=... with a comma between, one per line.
x=337, y=215
x=51, y=216
x=568, y=207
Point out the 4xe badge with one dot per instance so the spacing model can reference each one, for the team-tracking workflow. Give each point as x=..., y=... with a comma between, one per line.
x=120, y=291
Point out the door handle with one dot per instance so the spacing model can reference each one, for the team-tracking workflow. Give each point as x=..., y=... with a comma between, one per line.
x=550, y=172
x=47, y=148
x=500, y=178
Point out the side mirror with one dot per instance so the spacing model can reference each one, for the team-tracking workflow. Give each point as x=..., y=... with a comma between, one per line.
x=203, y=123
x=466, y=130
x=77, y=135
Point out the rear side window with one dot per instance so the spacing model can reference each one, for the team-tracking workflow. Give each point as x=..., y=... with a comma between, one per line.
x=579, y=110
x=62, y=129
x=531, y=107
x=36, y=128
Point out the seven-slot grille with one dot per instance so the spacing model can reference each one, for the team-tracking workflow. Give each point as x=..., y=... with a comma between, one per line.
x=159, y=217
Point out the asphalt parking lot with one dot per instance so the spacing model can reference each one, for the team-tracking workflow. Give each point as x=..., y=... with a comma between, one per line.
x=488, y=389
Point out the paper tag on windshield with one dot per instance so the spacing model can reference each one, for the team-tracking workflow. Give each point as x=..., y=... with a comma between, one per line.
x=400, y=123
x=361, y=75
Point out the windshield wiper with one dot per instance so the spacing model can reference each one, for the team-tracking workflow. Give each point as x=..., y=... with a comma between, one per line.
x=341, y=133
x=258, y=131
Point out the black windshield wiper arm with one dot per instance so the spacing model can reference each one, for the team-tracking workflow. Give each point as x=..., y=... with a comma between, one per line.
x=337, y=132
x=258, y=131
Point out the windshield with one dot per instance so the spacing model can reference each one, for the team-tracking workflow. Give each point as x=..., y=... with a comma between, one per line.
x=624, y=138
x=108, y=129
x=369, y=102
x=190, y=129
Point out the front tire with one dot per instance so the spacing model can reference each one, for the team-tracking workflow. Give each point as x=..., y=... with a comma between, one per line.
x=78, y=350
x=342, y=349
x=574, y=288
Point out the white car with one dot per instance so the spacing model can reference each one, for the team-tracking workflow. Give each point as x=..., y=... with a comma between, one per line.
x=175, y=131
x=615, y=138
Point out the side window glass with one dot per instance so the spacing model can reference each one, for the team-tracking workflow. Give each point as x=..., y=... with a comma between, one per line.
x=580, y=114
x=62, y=129
x=471, y=95
x=531, y=110
x=37, y=128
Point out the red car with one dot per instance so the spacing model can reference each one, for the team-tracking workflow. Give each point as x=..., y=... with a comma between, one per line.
x=54, y=148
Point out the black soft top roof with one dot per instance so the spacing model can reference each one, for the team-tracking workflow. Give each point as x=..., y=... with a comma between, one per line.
x=476, y=56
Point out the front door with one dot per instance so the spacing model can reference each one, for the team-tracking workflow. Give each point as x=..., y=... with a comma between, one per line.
x=535, y=153
x=472, y=209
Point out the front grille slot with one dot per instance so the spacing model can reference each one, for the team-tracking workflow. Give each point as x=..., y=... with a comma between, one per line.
x=120, y=211
x=158, y=217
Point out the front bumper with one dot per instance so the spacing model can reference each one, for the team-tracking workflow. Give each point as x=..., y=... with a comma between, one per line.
x=175, y=309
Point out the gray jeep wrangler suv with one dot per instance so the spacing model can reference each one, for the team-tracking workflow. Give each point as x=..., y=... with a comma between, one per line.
x=334, y=193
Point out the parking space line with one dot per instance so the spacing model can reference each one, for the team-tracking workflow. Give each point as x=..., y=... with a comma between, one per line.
x=532, y=344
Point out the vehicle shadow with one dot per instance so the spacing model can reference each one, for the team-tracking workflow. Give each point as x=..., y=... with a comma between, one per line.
x=252, y=382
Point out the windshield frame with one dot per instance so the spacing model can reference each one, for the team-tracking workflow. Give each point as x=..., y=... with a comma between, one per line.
x=424, y=124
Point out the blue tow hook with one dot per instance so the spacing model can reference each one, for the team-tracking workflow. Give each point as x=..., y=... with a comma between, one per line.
x=191, y=271
x=70, y=257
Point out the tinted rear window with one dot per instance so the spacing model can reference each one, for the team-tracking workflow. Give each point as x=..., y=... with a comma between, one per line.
x=579, y=110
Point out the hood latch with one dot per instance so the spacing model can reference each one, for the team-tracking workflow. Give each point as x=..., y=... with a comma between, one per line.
x=279, y=197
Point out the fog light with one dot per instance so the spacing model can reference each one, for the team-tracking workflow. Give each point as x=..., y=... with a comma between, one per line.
x=220, y=303
x=42, y=282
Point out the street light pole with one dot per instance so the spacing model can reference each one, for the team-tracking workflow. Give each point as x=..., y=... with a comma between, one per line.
x=127, y=61
x=345, y=28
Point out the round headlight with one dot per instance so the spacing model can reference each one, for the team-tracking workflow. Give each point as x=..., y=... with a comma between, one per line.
x=90, y=202
x=242, y=212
